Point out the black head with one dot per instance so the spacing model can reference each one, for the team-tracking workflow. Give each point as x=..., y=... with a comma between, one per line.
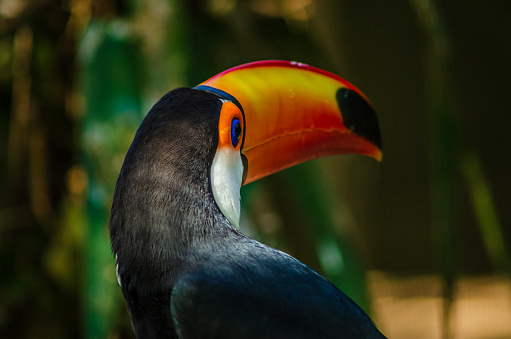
x=164, y=181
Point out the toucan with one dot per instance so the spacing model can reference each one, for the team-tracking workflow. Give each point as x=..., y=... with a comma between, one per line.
x=185, y=269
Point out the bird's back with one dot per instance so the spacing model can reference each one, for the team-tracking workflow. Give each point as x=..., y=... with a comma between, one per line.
x=244, y=289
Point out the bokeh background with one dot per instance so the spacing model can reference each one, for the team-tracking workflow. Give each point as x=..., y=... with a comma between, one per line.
x=420, y=240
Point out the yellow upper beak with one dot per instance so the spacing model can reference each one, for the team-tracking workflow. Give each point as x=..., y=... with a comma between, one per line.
x=294, y=113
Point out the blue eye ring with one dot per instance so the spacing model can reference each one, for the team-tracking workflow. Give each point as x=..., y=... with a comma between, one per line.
x=235, y=132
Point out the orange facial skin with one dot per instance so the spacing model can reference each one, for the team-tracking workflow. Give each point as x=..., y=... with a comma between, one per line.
x=229, y=112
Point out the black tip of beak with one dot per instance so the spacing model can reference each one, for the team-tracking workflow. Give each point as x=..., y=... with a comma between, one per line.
x=358, y=115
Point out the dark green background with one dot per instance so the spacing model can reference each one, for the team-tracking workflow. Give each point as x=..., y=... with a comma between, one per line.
x=77, y=77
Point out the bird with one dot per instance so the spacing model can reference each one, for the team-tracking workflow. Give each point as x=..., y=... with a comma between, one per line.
x=185, y=269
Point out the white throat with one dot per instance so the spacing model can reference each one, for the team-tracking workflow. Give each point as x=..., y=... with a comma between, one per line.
x=226, y=177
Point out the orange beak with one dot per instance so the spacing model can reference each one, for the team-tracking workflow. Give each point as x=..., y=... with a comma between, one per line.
x=294, y=113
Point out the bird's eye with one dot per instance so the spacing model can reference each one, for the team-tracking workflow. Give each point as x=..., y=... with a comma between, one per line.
x=235, y=132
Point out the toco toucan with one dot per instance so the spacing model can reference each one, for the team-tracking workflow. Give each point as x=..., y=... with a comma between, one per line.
x=185, y=269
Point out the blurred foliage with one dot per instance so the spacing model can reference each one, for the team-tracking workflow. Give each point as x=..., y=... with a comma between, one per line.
x=77, y=76
x=111, y=83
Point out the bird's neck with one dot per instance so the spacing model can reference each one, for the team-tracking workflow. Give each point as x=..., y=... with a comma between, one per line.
x=153, y=230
